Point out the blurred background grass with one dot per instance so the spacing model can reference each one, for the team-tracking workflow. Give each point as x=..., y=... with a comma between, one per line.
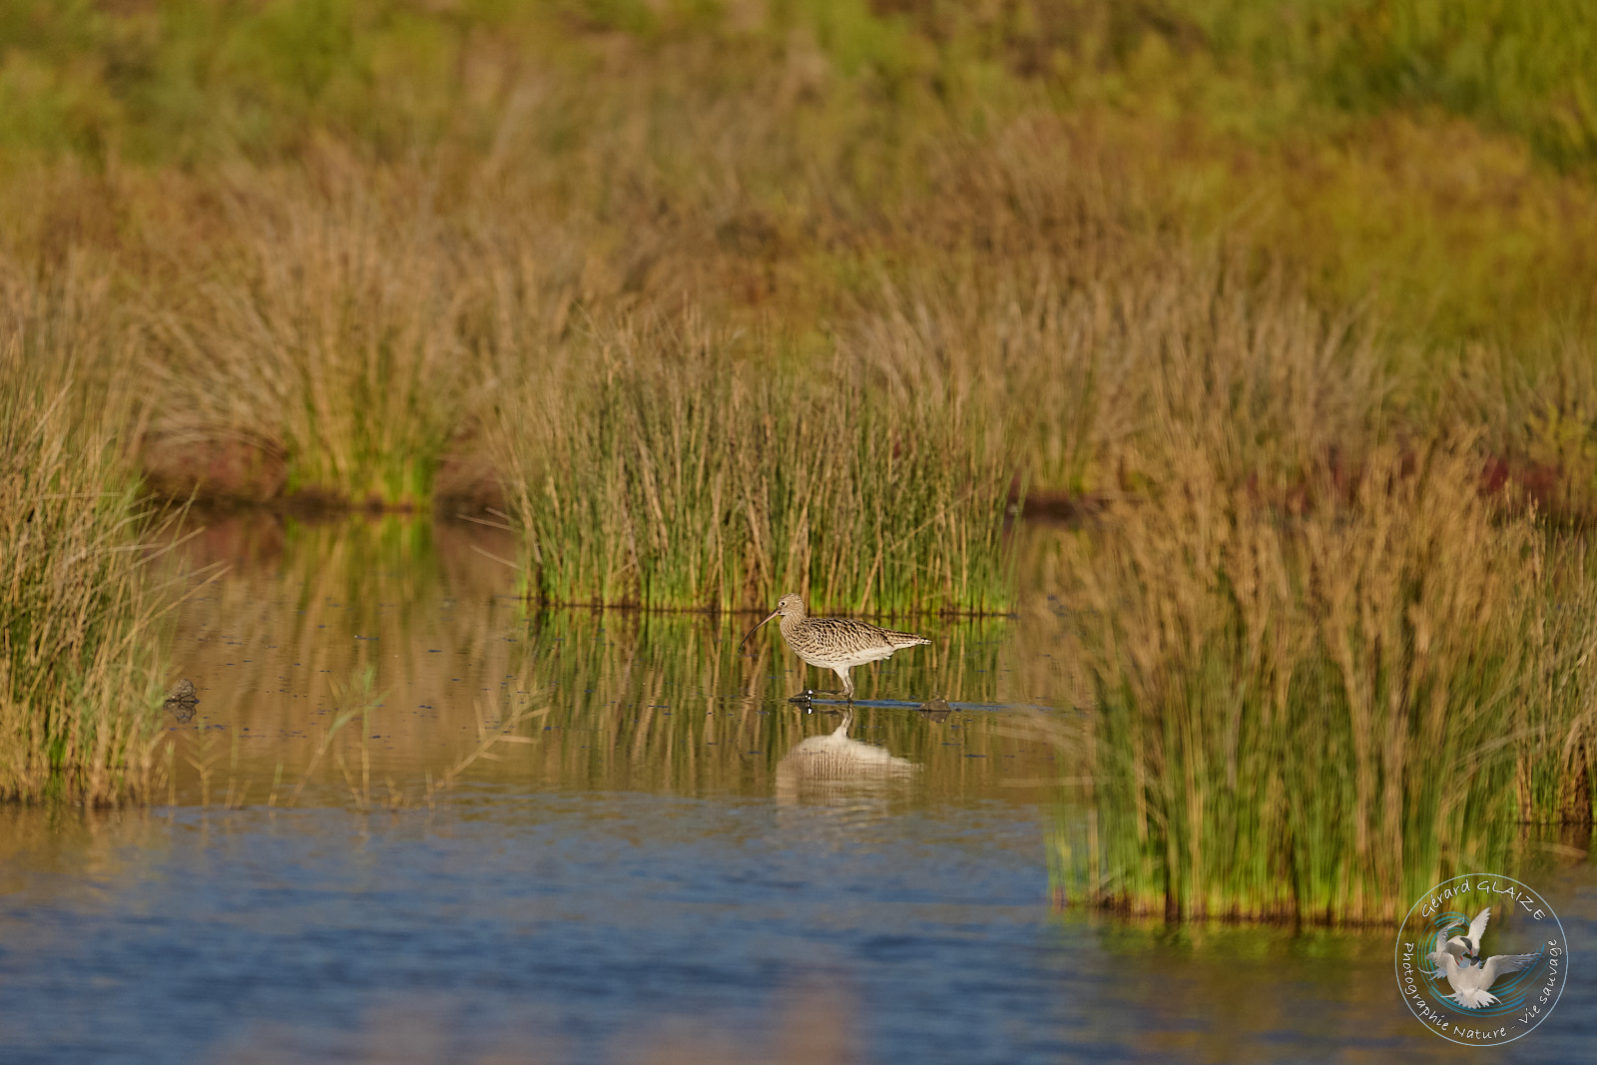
x=338, y=234
x=778, y=163
x=1435, y=152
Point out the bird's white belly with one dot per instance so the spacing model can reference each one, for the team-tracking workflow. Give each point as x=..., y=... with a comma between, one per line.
x=850, y=658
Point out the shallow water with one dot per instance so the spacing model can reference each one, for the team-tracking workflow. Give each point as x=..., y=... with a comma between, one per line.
x=665, y=854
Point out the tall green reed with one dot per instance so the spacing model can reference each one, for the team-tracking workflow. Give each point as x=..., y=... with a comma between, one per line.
x=1317, y=713
x=665, y=469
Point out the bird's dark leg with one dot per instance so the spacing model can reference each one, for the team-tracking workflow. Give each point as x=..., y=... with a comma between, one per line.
x=803, y=698
x=807, y=694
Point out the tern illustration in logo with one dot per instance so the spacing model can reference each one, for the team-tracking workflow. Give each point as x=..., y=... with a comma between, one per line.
x=1469, y=976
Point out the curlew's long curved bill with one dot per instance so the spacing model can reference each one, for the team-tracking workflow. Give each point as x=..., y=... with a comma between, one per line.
x=755, y=629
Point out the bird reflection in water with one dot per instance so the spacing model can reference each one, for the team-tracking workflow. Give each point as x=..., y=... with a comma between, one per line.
x=831, y=766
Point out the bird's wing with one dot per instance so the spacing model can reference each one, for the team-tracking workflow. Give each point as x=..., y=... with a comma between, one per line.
x=1503, y=964
x=1477, y=927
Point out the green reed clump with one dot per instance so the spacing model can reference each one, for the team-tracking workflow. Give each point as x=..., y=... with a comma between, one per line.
x=665, y=470
x=79, y=694
x=1317, y=714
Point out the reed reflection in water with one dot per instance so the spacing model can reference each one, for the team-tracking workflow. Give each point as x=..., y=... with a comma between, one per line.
x=280, y=643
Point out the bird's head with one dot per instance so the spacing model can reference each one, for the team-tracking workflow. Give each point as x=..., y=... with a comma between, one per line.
x=790, y=605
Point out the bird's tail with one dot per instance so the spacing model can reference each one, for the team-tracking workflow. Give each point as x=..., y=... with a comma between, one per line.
x=905, y=639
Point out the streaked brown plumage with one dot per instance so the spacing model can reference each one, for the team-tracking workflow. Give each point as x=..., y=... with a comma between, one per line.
x=838, y=644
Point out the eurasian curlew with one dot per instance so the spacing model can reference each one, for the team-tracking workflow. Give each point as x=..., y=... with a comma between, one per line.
x=838, y=644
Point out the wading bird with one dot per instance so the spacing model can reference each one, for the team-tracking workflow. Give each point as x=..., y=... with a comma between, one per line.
x=838, y=644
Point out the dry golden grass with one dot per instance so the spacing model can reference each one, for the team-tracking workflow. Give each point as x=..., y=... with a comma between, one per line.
x=1110, y=380
x=341, y=321
x=321, y=320
x=79, y=669
x=335, y=248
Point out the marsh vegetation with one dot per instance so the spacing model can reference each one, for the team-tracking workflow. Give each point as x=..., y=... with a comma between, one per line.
x=1317, y=716
x=80, y=645
x=711, y=303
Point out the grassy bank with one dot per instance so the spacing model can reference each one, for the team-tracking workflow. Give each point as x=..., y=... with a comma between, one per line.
x=79, y=677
